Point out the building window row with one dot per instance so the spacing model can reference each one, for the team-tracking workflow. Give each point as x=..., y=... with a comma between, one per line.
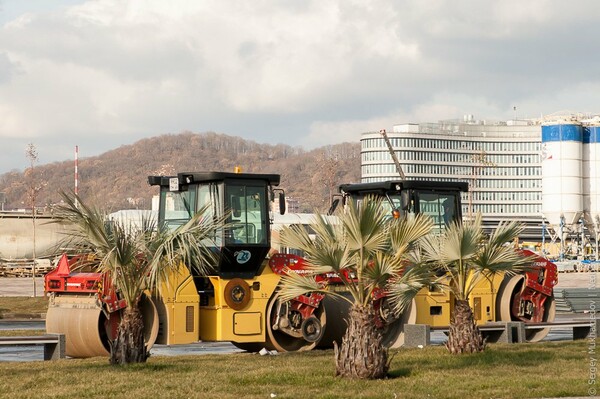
x=507, y=196
x=430, y=156
x=456, y=145
x=527, y=183
x=433, y=170
x=506, y=209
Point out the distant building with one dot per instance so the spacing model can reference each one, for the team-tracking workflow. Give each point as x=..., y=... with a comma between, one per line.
x=501, y=161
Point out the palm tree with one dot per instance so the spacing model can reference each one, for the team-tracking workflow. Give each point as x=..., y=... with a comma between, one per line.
x=366, y=250
x=137, y=258
x=465, y=256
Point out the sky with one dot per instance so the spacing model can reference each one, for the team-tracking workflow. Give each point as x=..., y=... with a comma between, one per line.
x=104, y=73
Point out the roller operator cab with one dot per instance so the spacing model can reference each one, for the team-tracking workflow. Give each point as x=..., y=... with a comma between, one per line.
x=230, y=304
x=439, y=200
x=241, y=199
x=526, y=297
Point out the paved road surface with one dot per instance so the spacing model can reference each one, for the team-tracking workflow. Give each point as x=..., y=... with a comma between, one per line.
x=20, y=286
x=24, y=287
x=34, y=353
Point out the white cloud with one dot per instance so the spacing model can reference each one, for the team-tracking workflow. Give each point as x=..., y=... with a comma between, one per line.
x=298, y=72
x=442, y=106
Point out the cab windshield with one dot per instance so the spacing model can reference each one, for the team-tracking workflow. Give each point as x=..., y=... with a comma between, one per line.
x=248, y=215
x=177, y=208
x=245, y=207
x=440, y=207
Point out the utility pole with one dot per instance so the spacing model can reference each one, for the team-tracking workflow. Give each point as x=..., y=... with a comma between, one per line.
x=393, y=154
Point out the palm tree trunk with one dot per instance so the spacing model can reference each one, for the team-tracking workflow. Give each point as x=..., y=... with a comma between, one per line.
x=129, y=346
x=361, y=354
x=464, y=335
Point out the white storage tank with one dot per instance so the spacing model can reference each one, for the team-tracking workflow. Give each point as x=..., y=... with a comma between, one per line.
x=17, y=239
x=562, y=191
x=591, y=174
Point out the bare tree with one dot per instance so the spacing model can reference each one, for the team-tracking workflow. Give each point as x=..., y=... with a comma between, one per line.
x=33, y=188
x=328, y=173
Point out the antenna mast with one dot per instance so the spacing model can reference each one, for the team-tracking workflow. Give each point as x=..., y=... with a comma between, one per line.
x=76, y=175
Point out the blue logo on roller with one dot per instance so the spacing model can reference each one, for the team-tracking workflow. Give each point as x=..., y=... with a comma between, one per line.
x=242, y=256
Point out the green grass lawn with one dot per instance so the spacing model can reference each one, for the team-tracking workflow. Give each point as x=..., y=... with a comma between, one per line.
x=550, y=369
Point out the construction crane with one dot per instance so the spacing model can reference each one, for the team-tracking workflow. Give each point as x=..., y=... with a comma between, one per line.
x=393, y=154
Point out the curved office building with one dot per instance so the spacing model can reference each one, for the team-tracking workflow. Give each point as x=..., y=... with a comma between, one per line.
x=500, y=161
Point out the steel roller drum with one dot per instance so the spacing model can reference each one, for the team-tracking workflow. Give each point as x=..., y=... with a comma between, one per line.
x=338, y=311
x=507, y=294
x=86, y=329
x=283, y=342
x=279, y=340
x=82, y=322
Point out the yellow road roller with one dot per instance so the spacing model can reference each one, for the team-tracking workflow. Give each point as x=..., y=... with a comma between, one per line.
x=527, y=297
x=239, y=303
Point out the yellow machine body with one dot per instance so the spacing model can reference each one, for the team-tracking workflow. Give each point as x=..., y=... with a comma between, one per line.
x=220, y=322
x=178, y=309
x=183, y=320
x=434, y=307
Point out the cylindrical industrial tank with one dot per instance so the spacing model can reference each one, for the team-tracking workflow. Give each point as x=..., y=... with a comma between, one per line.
x=17, y=237
x=591, y=174
x=562, y=191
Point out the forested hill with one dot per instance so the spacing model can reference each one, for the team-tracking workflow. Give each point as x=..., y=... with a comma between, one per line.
x=117, y=179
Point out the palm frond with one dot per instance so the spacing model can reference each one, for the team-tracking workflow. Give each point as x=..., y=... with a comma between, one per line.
x=190, y=244
x=461, y=242
x=466, y=257
x=137, y=257
x=506, y=232
x=297, y=237
x=366, y=249
x=365, y=228
x=86, y=224
x=408, y=230
x=327, y=231
x=381, y=269
x=326, y=252
x=402, y=290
